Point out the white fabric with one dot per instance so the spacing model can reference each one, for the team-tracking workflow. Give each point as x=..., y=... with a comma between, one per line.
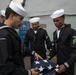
x=58, y=32
x=35, y=19
x=3, y=13
x=57, y=13
x=17, y=7
x=66, y=64
x=18, y=1
x=35, y=31
x=3, y=27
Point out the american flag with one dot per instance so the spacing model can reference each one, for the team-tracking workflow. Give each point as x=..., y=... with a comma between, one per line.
x=44, y=67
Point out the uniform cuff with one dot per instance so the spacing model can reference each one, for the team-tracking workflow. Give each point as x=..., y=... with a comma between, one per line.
x=29, y=72
x=48, y=56
x=33, y=52
x=66, y=64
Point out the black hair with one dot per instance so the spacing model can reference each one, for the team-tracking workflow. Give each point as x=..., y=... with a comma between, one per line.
x=63, y=16
x=8, y=12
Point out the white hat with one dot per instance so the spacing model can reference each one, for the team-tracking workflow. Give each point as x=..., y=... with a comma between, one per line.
x=3, y=13
x=18, y=1
x=35, y=19
x=17, y=7
x=57, y=13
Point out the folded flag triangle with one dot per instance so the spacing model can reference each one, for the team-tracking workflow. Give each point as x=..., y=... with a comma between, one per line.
x=44, y=67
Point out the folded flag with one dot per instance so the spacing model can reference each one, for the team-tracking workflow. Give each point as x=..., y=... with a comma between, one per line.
x=44, y=67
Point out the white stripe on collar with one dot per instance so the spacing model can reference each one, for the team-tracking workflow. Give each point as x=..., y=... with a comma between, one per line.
x=3, y=27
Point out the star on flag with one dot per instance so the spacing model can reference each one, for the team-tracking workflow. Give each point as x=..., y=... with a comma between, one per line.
x=37, y=62
x=44, y=67
x=41, y=68
x=49, y=67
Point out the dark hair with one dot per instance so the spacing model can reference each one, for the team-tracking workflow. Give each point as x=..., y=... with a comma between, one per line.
x=9, y=11
x=63, y=16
